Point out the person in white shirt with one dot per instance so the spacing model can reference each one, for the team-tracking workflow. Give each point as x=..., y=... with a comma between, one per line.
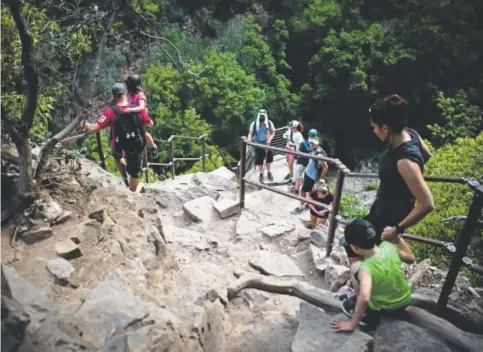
x=294, y=137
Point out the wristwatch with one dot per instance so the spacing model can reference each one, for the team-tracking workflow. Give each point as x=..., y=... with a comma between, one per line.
x=399, y=229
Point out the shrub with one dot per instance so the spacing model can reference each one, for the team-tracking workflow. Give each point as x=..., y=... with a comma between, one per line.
x=462, y=159
x=371, y=186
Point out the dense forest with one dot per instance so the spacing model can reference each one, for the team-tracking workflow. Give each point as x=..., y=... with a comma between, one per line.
x=208, y=66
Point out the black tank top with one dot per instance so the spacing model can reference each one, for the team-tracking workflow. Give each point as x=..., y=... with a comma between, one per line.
x=394, y=200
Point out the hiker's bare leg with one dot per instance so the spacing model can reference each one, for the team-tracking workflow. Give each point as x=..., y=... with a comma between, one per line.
x=133, y=184
x=120, y=166
x=269, y=167
x=150, y=140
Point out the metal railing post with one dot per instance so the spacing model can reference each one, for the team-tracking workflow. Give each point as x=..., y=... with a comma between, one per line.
x=171, y=155
x=335, y=210
x=463, y=243
x=102, y=161
x=203, y=153
x=241, y=175
x=146, y=164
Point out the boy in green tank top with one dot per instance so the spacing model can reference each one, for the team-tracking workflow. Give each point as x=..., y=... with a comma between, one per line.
x=379, y=282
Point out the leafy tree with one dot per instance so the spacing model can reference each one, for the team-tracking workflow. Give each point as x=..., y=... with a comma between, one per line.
x=460, y=119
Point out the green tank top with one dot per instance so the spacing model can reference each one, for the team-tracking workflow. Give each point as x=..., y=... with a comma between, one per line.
x=390, y=289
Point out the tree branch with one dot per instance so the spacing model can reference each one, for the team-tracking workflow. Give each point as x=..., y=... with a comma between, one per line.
x=325, y=300
x=30, y=72
x=181, y=60
x=49, y=146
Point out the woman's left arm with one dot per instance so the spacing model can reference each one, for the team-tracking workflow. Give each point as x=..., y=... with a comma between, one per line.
x=411, y=173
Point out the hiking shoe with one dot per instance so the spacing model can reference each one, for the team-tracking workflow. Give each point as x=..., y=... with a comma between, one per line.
x=270, y=176
x=288, y=177
x=297, y=210
x=350, y=294
x=154, y=153
x=348, y=307
x=261, y=178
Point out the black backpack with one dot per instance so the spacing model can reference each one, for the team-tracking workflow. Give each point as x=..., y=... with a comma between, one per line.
x=129, y=131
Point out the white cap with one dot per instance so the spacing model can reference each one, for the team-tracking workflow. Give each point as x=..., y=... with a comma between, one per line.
x=314, y=141
x=294, y=123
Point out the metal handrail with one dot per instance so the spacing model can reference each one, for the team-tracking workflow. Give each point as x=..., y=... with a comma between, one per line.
x=457, y=250
x=173, y=159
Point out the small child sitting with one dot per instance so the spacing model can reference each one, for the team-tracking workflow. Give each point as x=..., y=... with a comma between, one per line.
x=381, y=289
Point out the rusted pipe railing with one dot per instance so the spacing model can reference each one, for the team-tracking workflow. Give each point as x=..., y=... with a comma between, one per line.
x=336, y=207
x=457, y=250
x=463, y=243
x=342, y=171
x=427, y=178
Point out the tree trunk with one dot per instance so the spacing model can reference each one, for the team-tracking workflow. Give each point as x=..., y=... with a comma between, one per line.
x=25, y=185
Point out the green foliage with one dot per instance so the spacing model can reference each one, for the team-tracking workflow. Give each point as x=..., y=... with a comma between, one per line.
x=460, y=119
x=371, y=186
x=351, y=207
x=462, y=159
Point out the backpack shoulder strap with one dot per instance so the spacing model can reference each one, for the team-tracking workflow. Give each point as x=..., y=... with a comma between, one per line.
x=291, y=136
x=116, y=110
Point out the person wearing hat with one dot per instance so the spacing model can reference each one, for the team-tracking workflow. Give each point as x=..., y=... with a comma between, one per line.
x=262, y=131
x=134, y=158
x=294, y=137
x=381, y=288
x=314, y=172
x=302, y=162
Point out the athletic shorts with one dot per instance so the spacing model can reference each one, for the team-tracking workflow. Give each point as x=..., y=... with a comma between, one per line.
x=298, y=171
x=290, y=157
x=134, y=164
x=308, y=184
x=262, y=155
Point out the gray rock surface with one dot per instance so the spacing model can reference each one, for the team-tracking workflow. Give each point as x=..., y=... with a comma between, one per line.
x=227, y=207
x=37, y=235
x=314, y=334
x=336, y=276
x=277, y=265
x=60, y=268
x=278, y=229
x=401, y=336
x=200, y=209
x=67, y=249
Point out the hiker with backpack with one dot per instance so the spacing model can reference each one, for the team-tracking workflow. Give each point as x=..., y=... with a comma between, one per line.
x=138, y=99
x=301, y=162
x=262, y=131
x=128, y=132
x=315, y=171
x=294, y=137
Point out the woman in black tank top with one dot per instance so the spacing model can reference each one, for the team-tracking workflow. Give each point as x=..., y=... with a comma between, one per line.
x=401, y=169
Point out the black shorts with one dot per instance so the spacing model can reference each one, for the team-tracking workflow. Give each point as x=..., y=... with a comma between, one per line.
x=261, y=155
x=379, y=228
x=116, y=154
x=308, y=184
x=318, y=216
x=134, y=164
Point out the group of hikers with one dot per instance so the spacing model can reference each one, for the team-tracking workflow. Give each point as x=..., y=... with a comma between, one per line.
x=374, y=244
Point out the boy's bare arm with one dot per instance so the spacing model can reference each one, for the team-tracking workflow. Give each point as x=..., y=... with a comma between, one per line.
x=405, y=251
x=363, y=297
x=141, y=107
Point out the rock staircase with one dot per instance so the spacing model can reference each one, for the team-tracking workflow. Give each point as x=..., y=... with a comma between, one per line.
x=149, y=272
